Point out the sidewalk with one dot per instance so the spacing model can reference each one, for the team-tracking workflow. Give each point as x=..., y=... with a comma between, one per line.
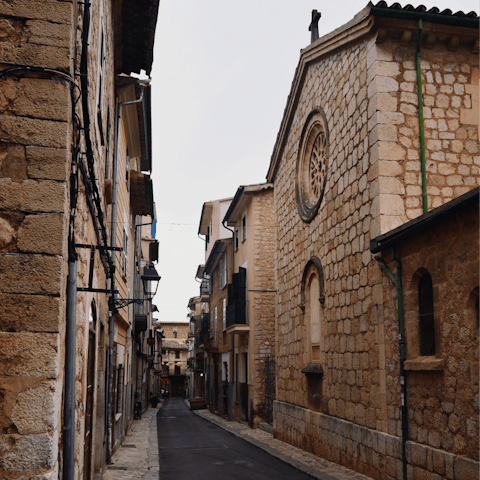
x=309, y=463
x=137, y=457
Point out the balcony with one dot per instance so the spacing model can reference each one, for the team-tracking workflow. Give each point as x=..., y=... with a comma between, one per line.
x=205, y=289
x=237, y=317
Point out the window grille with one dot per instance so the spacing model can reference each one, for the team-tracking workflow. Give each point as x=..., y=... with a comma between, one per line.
x=425, y=306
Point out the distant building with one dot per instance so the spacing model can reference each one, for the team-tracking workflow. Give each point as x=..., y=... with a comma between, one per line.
x=174, y=358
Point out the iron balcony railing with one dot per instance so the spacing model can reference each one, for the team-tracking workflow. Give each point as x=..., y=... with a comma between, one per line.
x=236, y=313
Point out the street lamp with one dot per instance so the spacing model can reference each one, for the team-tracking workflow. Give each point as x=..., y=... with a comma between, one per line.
x=150, y=280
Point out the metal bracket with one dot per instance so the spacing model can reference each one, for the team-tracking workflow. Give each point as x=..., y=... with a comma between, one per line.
x=92, y=249
x=123, y=302
x=389, y=273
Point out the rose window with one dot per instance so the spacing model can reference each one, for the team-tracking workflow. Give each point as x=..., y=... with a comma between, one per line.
x=312, y=162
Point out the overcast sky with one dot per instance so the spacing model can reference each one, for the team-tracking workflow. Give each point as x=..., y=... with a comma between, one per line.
x=221, y=75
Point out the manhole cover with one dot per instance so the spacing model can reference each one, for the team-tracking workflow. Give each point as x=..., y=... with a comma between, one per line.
x=129, y=446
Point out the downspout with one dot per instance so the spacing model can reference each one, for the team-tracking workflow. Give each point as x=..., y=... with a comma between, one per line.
x=420, y=119
x=70, y=334
x=397, y=280
x=233, y=335
x=113, y=241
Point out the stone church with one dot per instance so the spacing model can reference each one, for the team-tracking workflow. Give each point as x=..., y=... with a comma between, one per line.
x=378, y=151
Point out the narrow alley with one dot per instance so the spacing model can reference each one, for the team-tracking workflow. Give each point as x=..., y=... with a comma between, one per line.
x=174, y=443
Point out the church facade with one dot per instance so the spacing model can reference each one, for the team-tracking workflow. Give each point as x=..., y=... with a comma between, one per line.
x=359, y=154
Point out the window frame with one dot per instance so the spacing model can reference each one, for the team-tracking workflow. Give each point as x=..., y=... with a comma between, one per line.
x=223, y=271
x=244, y=227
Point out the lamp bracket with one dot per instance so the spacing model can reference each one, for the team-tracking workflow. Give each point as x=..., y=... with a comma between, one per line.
x=123, y=302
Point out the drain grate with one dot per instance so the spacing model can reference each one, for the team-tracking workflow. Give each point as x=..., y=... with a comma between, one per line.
x=117, y=468
x=129, y=446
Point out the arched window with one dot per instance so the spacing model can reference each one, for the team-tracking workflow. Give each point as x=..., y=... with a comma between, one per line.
x=312, y=304
x=425, y=309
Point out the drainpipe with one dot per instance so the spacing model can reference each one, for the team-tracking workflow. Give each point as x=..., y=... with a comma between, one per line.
x=70, y=335
x=233, y=335
x=420, y=119
x=113, y=240
x=401, y=340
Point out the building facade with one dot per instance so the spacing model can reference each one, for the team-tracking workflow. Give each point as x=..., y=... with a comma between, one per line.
x=72, y=186
x=250, y=312
x=351, y=163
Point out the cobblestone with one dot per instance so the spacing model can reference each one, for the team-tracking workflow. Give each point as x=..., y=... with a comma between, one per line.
x=307, y=462
x=137, y=458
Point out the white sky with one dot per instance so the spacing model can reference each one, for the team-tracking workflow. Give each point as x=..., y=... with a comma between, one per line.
x=221, y=75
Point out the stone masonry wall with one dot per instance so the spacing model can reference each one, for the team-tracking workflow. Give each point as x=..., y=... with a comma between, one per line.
x=450, y=96
x=263, y=331
x=366, y=91
x=34, y=159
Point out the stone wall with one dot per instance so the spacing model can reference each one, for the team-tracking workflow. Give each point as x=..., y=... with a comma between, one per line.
x=450, y=97
x=367, y=92
x=262, y=333
x=34, y=160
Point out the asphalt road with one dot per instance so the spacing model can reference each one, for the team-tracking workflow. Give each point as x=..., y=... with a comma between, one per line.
x=192, y=448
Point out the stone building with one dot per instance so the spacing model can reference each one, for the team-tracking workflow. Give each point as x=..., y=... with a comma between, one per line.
x=250, y=312
x=174, y=357
x=216, y=343
x=72, y=153
x=350, y=164
x=436, y=255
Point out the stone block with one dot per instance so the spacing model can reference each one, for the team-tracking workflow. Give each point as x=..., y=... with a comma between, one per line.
x=394, y=118
x=46, y=33
x=29, y=354
x=31, y=274
x=466, y=469
x=37, y=410
x=43, y=234
x=381, y=132
x=32, y=131
x=14, y=164
x=47, y=163
x=32, y=196
x=419, y=455
x=27, y=453
x=438, y=461
x=35, y=55
x=391, y=185
x=390, y=151
x=30, y=313
x=34, y=99
x=391, y=205
x=49, y=10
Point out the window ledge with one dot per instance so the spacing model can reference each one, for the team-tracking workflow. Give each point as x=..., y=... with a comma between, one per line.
x=424, y=363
